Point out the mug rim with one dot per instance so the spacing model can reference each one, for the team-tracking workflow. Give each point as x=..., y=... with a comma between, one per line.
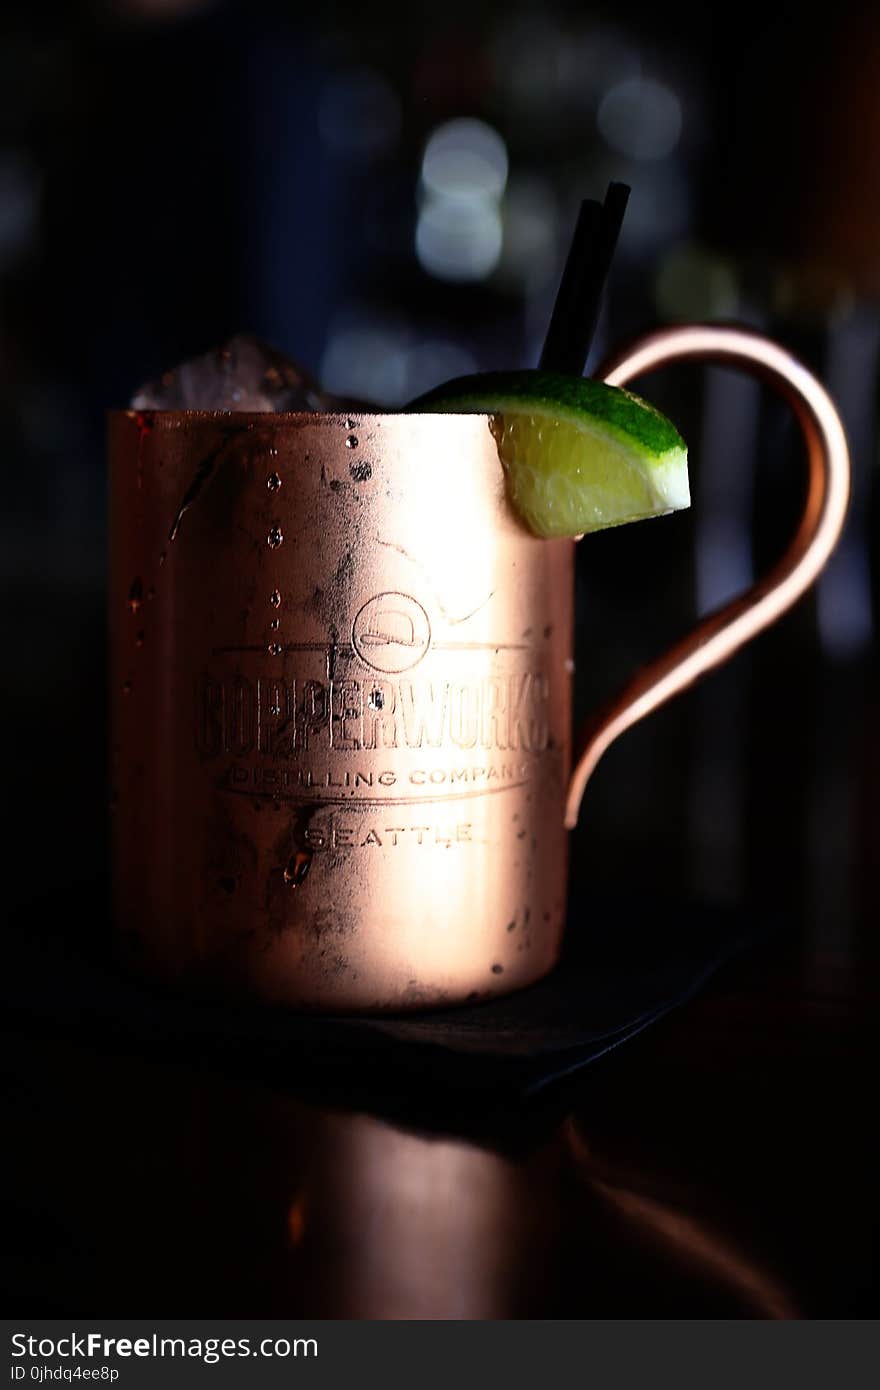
x=291, y=417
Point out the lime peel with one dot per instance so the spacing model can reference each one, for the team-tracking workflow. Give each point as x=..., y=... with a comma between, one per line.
x=579, y=455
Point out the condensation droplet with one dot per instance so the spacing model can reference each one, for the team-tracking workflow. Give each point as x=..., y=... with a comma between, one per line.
x=273, y=482
x=275, y=599
x=376, y=700
x=275, y=623
x=275, y=537
x=135, y=595
x=139, y=640
x=275, y=648
x=351, y=442
x=127, y=688
x=297, y=868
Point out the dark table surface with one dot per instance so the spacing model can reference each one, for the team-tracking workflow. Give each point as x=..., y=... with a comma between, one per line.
x=720, y=1165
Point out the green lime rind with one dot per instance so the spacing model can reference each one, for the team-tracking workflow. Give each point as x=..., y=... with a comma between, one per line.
x=637, y=423
x=578, y=455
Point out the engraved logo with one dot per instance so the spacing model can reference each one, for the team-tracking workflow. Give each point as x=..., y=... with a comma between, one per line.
x=391, y=633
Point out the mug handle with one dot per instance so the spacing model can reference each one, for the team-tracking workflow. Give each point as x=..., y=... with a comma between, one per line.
x=716, y=637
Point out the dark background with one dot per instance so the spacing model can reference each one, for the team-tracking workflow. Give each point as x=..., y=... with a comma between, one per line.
x=172, y=171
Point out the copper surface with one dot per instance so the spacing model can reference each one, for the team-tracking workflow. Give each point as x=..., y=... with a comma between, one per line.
x=341, y=709
x=341, y=693
x=684, y=1236
x=717, y=637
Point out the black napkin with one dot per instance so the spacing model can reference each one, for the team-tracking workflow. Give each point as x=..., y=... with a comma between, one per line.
x=626, y=964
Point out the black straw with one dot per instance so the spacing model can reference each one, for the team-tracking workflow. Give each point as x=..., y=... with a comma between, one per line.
x=579, y=299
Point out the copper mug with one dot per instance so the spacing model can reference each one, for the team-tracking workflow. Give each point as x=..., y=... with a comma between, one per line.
x=341, y=692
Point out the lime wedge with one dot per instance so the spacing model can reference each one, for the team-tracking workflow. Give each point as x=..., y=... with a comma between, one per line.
x=578, y=455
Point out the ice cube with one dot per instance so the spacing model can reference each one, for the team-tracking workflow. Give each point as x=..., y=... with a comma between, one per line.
x=243, y=374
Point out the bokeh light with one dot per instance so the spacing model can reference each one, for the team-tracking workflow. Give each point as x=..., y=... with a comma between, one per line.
x=388, y=362
x=463, y=177
x=465, y=159
x=366, y=360
x=641, y=118
x=459, y=239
